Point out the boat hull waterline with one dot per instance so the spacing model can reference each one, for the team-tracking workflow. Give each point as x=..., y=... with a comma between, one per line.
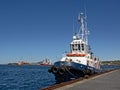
x=65, y=71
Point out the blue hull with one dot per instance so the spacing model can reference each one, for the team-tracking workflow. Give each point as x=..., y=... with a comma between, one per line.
x=65, y=71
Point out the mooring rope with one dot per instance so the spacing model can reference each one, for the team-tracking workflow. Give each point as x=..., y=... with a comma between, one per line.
x=69, y=71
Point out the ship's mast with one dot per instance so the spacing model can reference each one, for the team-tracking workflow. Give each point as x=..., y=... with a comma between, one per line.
x=83, y=29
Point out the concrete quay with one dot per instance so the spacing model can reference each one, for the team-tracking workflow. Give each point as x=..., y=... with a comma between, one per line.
x=107, y=81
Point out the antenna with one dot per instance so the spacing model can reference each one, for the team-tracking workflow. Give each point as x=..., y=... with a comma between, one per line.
x=85, y=13
x=82, y=25
x=79, y=17
x=86, y=29
x=73, y=28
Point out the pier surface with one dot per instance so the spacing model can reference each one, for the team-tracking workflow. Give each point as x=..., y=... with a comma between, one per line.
x=107, y=81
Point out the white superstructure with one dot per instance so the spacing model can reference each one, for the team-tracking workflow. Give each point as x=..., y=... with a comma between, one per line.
x=79, y=49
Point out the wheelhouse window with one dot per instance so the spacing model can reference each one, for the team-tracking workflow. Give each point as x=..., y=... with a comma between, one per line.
x=82, y=45
x=78, y=46
x=75, y=47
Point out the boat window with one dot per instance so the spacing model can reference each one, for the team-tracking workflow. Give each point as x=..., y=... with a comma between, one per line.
x=78, y=46
x=95, y=59
x=82, y=46
x=73, y=47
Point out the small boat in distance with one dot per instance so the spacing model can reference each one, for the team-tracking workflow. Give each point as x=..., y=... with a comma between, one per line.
x=80, y=61
x=45, y=62
x=20, y=63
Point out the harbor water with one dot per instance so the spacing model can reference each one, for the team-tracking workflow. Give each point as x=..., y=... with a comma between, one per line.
x=25, y=77
x=28, y=77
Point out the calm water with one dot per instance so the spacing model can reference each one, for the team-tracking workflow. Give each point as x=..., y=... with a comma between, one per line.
x=24, y=77
x=28, y=77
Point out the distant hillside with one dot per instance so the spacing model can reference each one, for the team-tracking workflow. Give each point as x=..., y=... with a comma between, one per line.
x=115, y=62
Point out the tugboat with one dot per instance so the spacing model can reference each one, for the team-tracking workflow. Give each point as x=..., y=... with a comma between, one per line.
x=80, y=61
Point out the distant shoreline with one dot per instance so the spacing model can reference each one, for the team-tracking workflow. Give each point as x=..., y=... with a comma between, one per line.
x=114, y=62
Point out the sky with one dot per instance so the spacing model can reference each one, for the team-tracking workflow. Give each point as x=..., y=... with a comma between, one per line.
x=31, y=30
